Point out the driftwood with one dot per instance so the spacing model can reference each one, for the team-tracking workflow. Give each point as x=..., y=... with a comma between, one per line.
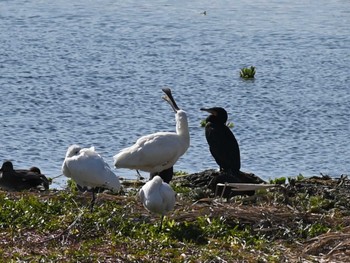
x=211, y=178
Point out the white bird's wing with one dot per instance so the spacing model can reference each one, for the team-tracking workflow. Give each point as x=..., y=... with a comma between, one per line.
x=111, y=179
x=89, y=169
x=141, y=195
x=65, y=169
x=150, y=196
x=168, y=195
x=152, y=153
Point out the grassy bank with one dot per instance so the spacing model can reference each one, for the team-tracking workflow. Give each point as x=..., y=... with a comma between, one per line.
x=306, y=221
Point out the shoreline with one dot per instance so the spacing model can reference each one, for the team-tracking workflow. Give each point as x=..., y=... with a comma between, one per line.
x=308, y=221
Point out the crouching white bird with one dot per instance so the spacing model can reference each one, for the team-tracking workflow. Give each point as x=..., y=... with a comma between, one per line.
x=88, y=169
x=157, y=197
x=157, y=153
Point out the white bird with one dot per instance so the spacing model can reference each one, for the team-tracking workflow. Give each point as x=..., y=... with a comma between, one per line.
x=88, y=169
x=157, y=197
x=157, y=153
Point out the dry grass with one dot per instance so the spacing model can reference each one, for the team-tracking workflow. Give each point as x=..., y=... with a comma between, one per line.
x=308, y=221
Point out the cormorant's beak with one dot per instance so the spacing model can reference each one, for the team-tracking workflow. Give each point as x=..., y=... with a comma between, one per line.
x=211, y=111
x=169, y=98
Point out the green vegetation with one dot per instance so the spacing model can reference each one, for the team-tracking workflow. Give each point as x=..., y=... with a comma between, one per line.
x=275, y=225
x=280, y=180
x=57, y=227
x=247, y=73
x=204, y=122
x=283, y=180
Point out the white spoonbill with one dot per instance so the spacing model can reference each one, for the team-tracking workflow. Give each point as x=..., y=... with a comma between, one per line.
x=157, y=197
x=88, y=169
x=157, y=153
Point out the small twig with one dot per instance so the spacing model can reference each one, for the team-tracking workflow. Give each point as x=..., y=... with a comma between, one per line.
x=56, y=176
x=336, y=247
x=64, y=231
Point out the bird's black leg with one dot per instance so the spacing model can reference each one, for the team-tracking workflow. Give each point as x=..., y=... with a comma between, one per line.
x=166, y=175
x=93, y=200
x=161, y=223
x=139, y=176
x=151, y=175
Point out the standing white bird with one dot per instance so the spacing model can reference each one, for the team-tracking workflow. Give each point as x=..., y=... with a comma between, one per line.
x=88, y=169
x=157, y=153
x=157, y=197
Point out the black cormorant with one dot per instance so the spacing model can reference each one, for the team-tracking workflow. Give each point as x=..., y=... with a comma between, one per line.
x=222, y=143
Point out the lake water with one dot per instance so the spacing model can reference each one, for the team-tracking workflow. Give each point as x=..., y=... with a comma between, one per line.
x=91, y=73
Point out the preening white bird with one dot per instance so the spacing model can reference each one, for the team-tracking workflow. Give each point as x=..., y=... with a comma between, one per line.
x=157, y=197
x=157, y=153
x=88, y=169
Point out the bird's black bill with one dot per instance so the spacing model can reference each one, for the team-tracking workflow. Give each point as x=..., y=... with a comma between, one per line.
x=211, y=111
x=169, y=98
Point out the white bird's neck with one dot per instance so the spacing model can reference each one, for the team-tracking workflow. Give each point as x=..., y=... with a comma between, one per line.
x=182, y=125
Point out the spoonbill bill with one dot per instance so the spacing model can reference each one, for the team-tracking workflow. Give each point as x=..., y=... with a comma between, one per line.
x=157, y=197
x=223, y=145
x=88, y=169
x=157, y=153
x=21, y=179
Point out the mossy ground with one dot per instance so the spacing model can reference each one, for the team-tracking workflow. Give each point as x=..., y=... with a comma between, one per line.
x=307, y=221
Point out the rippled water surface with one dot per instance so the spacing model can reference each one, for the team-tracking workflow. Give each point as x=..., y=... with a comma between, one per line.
x=91, y=72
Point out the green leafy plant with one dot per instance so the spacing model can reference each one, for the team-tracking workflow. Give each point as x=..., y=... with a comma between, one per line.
x=300, y=177
x=247, y=73
x=72, y=186
x=228, y=124
x=50, y=226
x=203, y=123
x=280, y=180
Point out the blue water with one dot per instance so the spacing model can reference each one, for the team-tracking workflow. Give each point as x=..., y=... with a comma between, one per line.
x=91, y=72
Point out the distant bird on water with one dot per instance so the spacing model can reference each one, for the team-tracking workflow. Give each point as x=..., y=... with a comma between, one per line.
x=222, y=143
x=88, y=169
x=157, y=197
x=157, y=153
x=21, y=179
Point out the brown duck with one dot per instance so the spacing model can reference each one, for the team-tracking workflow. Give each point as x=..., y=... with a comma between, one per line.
x=17, y=180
